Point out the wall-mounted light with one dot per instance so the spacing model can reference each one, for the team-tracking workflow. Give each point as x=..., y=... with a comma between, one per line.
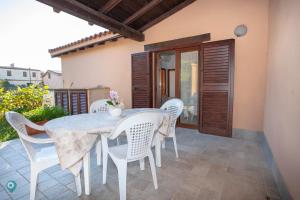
x=240, y=30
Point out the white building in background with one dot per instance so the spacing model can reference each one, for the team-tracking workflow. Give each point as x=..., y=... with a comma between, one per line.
x=20, y=76
x=53, y=79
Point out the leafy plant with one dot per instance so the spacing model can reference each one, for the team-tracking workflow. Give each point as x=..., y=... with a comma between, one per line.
x=6, y=131
x=44, y=113
x=114, y=99
x=22, y=99
x=36, y=115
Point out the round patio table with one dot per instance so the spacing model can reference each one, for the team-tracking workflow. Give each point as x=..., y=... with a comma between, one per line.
x=97, y=123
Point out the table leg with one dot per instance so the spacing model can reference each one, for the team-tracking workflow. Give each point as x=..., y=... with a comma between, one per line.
x=105, y=157
x=78, y=185
x=86, y=171
x=158, y=151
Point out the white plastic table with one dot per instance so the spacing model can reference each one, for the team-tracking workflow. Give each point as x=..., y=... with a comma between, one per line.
x=97, y=123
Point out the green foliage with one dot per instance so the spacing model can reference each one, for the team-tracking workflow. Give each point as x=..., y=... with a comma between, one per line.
x=6, y=131
x=44, y=113
x=36, y=115
x=22, y=99
x=6, y=85
x=110, y=103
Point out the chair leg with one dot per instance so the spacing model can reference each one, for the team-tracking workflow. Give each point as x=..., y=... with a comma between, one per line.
x=158, y=151
x=105, y=156
x=153, y=170
x=142, y=164
x=175, y=145
x=78, y=184
x=86, y=171
x=33, y=182
x=122, y=175
x=98, y=152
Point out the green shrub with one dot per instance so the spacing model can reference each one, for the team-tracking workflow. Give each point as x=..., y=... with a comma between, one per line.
x=6, y=131
x=44, y=113
x=36, y=115
x=22, y=99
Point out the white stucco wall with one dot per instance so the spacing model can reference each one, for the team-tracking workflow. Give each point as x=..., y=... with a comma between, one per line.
x=54, y=82
x=17, y=77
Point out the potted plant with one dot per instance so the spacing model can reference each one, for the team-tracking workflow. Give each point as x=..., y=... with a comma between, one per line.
x=115, y=105
x=41, y=115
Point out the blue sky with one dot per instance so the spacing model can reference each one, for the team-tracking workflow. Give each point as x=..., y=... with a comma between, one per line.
x=29, y=28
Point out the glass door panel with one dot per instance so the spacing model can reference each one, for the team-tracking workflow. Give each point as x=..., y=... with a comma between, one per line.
x=189, y=86
x=165, y=76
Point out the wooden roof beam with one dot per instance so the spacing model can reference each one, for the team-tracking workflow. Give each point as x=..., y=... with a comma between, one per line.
x=56, y=10
x=109, y=6
x=86, y=13
x=142, y=11
x=166, y=14
x=178, y=43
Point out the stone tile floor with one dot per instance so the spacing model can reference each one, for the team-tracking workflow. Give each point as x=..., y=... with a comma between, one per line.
x=208, y=168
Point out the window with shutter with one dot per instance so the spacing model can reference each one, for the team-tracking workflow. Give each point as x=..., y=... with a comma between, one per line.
x=141, y=80
x=74, y=103
x=216, y=87
x=78, y=102
x=62, y=100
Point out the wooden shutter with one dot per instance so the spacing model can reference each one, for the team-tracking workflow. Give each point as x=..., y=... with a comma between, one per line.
x=62, y=99
x=78, y=102
x=216, y=87
x=141, y=67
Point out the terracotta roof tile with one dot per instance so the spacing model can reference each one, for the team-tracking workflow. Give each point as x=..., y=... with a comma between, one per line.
x=92, y=37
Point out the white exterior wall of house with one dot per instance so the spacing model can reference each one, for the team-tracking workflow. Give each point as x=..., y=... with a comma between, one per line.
x=17, y=77
x=54, y=81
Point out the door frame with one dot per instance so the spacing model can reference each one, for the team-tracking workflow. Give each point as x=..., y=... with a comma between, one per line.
x=190, y=43
x=195, y=47
x=172, y=45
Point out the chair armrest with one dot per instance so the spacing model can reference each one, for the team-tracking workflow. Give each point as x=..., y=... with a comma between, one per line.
x=37, y=140
x=112, y=136
x=107, y=135
x=34, y=126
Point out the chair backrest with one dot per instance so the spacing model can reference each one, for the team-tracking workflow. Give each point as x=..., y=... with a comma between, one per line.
x=139, y=129
x=99, y=106
x=19, y=123
x=175, y=108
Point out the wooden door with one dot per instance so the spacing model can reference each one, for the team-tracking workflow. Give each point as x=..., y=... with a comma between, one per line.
x=216, y=87
x=141, y=64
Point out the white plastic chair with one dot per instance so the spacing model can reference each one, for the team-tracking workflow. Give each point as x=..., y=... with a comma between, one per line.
x=41, y=157
x=175, y=108
x=99, y=106
x=139, y=129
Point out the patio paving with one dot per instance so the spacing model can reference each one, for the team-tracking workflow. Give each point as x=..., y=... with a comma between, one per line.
x=208, y=168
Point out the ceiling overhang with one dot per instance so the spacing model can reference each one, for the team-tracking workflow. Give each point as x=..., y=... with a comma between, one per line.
x=128, y=18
